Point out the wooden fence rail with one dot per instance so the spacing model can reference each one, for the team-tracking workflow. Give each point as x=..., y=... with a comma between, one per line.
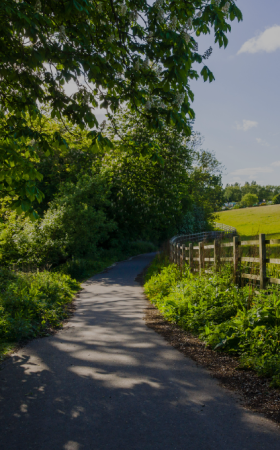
x=182, y=254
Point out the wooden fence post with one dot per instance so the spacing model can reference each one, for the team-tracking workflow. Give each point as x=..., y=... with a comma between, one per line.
x=216, y=254
x=178, y=255
x=191, y=256
x=235, y=259
x=201, y=259
x=174, y=253
x=262, y=261
x=183, y=256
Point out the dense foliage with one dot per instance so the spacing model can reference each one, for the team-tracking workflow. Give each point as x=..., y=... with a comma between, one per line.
x=30, y=304
x=117, y=52
x=76, y=195
x=226, y=317
x=149, y=186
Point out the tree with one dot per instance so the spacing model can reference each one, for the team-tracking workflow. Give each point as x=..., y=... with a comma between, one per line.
x=113, y=52
x=150, y=187
x=249, y=199
x=276, y=199
x=206, y=183
x=232, y=193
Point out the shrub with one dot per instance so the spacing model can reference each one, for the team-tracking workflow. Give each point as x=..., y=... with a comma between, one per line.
x=31, y=303
x=249, y=199
x=224, y=316
x=276, y=199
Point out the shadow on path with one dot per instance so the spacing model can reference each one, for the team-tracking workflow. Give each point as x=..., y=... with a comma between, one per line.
x=106, y=381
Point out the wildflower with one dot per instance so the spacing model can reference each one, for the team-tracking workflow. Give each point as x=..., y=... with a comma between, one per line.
x=189, y=23
x=148, y=105
x=38, y=6
x=110, y=38
x=173, y=23
x=186, y=36
x=133, y=15
x=150, y=37
x=160, y=15
x=225, y=8
x=158, y=4
x=62, y=34
x=157, y=70
x=179, y=99
x=122, y=9
x=146, y=63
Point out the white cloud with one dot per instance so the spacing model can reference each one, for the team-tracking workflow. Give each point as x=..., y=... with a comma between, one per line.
x=262, y=142
x=268, y=41
x=251, y=172
x=246, y=125
x=276, y=164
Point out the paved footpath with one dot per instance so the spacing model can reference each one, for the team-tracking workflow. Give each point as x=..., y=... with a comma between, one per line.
x=107, y=382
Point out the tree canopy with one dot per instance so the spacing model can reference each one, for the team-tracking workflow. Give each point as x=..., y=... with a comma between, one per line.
x=113, y=52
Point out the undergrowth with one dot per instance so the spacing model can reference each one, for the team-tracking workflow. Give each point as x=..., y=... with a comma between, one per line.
x=30, y=304
x=238, y=320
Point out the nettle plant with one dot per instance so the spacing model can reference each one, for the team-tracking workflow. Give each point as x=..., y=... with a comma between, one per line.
x=113, y=52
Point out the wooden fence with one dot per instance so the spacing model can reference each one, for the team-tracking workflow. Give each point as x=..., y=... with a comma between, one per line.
x=203, y=236
x=181, y=254
x=222, y=226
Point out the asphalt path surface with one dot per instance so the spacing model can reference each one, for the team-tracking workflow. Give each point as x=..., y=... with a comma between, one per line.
x=107, y=382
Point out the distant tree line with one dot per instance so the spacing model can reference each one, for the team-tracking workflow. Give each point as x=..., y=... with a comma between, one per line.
x=235, y=192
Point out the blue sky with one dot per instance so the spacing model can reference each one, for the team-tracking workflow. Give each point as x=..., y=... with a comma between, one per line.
x=238, y=114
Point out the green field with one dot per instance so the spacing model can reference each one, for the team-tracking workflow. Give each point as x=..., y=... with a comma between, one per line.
x=252, y=221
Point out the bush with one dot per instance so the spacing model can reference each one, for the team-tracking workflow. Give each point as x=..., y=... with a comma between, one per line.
x=249, y=199
x=276, y=199
x=224, y=316
x=32, y=303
